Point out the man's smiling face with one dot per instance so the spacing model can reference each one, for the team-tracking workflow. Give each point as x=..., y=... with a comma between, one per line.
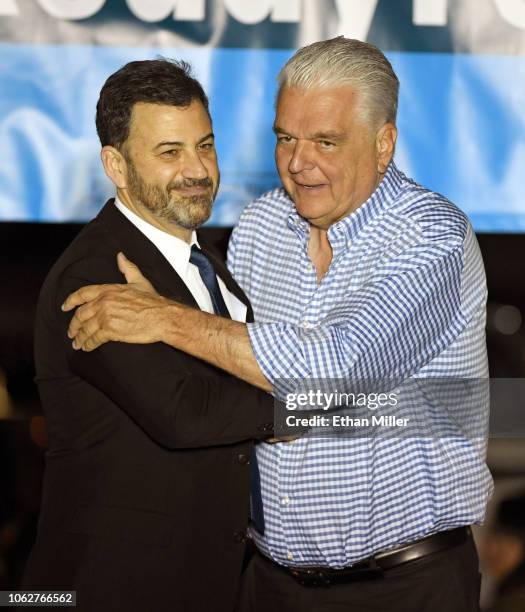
x=328, y=158
x=171, y=162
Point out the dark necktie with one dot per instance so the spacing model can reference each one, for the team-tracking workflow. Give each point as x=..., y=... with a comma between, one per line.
x=209, y=278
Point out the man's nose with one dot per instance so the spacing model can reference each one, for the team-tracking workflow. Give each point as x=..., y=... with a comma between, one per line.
x=193, y=166
x=302, y=157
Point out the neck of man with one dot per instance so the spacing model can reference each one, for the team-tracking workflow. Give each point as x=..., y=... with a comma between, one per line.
x=319, y=248
x=319, y=251
x=147, y=215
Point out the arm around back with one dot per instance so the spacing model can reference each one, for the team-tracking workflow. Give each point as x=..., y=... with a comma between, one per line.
x=177, y=400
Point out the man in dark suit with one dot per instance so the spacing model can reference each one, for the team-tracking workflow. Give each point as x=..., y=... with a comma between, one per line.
x=147, y=486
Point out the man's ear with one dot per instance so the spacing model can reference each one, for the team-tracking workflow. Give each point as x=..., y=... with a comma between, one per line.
x=385, y=146
x=115, y=166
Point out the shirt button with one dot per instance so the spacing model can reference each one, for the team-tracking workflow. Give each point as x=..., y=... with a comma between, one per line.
x=285, y=500
x=349, y=243
x=289, y=556
x=239, y=536
x=306, y=324
x=243, y=459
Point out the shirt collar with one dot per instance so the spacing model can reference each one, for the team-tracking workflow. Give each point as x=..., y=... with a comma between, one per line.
x=347, y=229
x=174, y=249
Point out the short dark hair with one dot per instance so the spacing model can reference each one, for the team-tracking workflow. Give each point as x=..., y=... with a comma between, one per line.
x=159, y=81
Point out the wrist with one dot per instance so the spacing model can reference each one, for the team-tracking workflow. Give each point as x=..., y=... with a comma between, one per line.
x=170, y=323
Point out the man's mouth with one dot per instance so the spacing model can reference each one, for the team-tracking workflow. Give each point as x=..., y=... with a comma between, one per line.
x=194, y=189
x=308, y=187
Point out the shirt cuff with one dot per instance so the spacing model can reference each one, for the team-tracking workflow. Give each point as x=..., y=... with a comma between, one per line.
x=276, y=349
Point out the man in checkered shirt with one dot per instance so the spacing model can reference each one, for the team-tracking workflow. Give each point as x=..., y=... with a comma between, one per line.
x=354, y=273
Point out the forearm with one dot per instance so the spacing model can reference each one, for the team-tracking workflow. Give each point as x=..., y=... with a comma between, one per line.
x=136, y=314
x=222, y=342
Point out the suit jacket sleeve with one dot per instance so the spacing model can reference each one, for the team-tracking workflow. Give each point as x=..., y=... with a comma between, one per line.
x=177, y=400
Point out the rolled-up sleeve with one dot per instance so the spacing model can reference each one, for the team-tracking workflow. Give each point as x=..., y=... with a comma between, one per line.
x=387, y=329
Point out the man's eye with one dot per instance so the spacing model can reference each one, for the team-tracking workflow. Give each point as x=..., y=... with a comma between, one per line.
x=207, y=146
x=326, y=144
x=170, y=153
x=284, y=139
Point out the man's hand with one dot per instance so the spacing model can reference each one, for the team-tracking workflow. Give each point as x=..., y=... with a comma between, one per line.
x=136, y=313
x=126, y=313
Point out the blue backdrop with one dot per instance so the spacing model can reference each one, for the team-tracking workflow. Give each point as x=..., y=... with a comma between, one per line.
x=461, y=116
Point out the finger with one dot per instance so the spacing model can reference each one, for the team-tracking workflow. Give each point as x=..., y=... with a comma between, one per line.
x=83, y=295
x=132, y=272
x=280, y=439
x=88, y=330
x=93, y=342
x=83, y=314
x=129, y=269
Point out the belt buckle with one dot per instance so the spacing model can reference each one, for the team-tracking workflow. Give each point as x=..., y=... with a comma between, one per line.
x=320, y=578
x=311, y=578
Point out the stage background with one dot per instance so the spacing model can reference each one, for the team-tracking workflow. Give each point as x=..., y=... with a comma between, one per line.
x=461, y=65
x=461, y=114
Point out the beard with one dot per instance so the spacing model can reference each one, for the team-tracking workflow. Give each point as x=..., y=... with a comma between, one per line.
x=188, y=212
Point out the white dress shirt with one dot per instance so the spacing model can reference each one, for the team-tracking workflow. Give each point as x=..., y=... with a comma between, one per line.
x=177, y=253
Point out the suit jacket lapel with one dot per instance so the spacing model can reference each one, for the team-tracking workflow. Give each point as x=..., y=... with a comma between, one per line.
x=152, y=263
x=142, y=252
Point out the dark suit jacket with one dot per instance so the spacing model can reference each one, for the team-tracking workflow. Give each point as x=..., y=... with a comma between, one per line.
x=146, y=488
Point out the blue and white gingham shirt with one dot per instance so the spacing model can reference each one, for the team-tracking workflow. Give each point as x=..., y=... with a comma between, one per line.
x=404, y=297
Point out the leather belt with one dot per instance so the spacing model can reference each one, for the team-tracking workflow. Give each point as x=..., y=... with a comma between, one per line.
x=374, y=567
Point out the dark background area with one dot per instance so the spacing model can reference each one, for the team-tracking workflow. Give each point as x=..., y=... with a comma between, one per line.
x=27, y=251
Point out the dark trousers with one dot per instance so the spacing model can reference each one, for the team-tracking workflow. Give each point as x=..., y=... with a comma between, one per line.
x=447, y=581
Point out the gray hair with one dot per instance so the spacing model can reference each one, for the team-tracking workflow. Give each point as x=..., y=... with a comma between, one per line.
x=343, y=61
